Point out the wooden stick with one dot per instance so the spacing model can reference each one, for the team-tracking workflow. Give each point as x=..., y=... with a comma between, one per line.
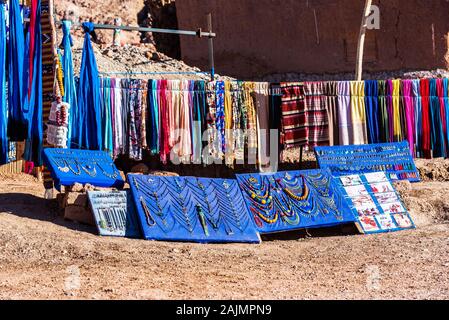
x=361, y=42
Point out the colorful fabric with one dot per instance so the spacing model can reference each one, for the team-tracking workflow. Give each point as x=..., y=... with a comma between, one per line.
x=332, y=111
x=317, y=122
x=293, y=115
x=358, y=116
x=372, y=110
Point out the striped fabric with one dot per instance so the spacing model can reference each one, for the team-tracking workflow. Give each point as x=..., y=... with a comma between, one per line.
x=317, y=122
x=293, y=115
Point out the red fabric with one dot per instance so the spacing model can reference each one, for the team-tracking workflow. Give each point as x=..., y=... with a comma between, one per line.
x=32, y=31
x=426, y=145
x=293, y=115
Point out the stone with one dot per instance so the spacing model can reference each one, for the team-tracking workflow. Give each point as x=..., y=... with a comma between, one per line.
x=79, y=214
x=75, y=198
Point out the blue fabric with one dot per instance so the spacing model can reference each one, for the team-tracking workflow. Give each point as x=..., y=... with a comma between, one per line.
x=87, y=132
x=446, y=109
x=372, y=110
x=34, y=143
x=3, y=101
x=418, y=116
x=153, y=117
x=17, y=125
x=69, y=77
x=437, y=132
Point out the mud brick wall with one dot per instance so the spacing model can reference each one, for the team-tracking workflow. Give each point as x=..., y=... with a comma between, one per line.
x=262, y=37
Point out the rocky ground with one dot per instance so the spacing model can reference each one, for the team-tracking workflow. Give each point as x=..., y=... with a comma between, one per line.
x=43, y=256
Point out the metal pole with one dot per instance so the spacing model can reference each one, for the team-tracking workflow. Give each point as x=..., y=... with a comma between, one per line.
x=211, y=48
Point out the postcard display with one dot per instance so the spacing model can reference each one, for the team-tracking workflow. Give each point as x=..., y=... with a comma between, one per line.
x=70, y=166
x=114, y=213
x=293, y=200
x=375, y=203
x=393, y=158
x=191, y=209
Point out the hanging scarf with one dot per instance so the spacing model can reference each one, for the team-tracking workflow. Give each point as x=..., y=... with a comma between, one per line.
x=446, y=111
x=410, y=113
x=426, y=125
x=164, y=121
x=3, y=102
x=33, y=147
x=395, y=109
x=317, y=122
x=344, y=112
x=220, y=114
x=88, y=133
x=442, y=97
x=384, y=130
x=199, y=120
x=330, y=88
x=263, y=131
x=437, y=133
x=417, y=103
x=372, y=110
x=17, y=126
x=69, y=78
x=153, y=130
x=358, y=116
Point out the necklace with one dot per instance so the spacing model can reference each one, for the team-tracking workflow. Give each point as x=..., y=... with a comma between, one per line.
x=64, y=167
x=109, y=175
x=89, y=169
x=184, y=210
x=149, y=219
x=77, y=173
x=202, y=218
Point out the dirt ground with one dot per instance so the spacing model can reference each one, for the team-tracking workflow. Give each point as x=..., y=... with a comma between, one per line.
x=44, y=257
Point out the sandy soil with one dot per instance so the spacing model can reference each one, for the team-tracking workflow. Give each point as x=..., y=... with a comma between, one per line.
x=43, y=256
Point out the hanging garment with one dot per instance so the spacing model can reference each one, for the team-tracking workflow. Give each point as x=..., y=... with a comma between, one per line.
x=417, y=103
x=317, y=122
x=442, y=99
x=153, y=129
x=199, y=120
x=238, y=123
x=220, y=114
x=163, y=121
x=69, y=77
x=384, y=127
x=396, y=112
x=358, y=116
x=425, y=113
x=293, y=115
x=3, y=99
x=437, y=133
x=332, y=112
x=344, y=112
x=407, y=97
x=88, y=131
x=136, y=88
x=34, y=142
x=106, y=115
x=372, y=110
x=229, y=124
x=18, y=110
x=261, y=90
x=445, y=95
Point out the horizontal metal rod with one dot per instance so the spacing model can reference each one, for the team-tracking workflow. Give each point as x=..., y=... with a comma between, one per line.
x=198, y=33
x=161, y=72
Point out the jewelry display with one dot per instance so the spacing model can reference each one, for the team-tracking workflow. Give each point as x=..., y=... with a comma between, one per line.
x=393, y=158
x=70, y=166
x=292, y=200
x=194, y=209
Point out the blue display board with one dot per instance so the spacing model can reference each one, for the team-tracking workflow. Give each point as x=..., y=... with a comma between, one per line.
x=393, y=158
x=191, y=209
x=70, y=166
x=292, y=200
x=114, y=213
x=374, y=203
